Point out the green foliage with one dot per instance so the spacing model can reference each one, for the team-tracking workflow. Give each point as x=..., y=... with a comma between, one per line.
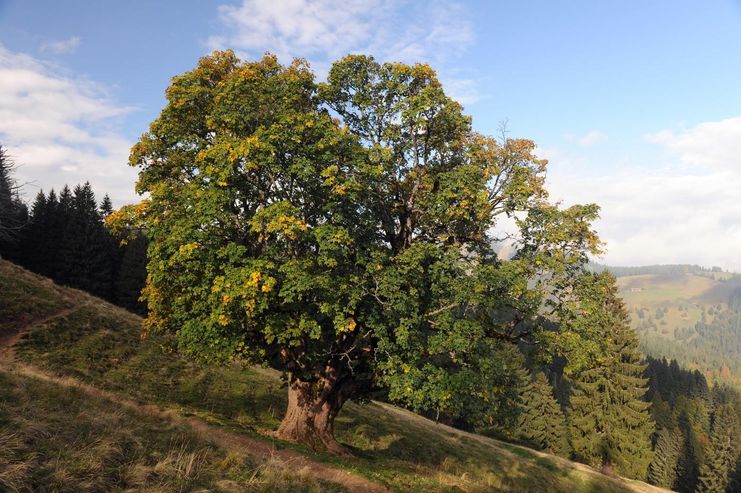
x=541, y=422
x=66, y=239
x=692, y=454
x=131, y=274
x=342, y=232
x=691, y=315
x=695, y=426
x=723, y=451
x=608, y=417
x=663, y=468
x=86, y=250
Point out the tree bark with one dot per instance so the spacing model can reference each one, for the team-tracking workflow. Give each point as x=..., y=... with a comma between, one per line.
x=312, y=408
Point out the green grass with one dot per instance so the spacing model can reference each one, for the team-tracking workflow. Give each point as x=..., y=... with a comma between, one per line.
x=100, y=345
x=58, y=439
x=657, y=290
x=25, y=297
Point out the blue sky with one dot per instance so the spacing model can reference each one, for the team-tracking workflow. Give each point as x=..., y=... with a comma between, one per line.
x=636, y=104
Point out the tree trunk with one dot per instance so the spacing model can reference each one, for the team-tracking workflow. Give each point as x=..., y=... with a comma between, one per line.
x=309, y=419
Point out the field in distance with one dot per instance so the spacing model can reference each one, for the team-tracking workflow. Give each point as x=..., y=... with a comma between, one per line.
x=687, y=313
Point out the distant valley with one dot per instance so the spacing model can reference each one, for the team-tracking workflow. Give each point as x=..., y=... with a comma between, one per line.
x=688, y=313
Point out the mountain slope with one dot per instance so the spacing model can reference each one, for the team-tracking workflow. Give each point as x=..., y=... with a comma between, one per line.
x=693, y=317
x=97, y=348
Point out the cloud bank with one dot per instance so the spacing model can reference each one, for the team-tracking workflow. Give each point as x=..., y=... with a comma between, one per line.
x=61, y=130
x=688, y=211
x=321, y=31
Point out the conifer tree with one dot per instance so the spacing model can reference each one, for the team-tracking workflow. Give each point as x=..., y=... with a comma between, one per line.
x=106, y=206
x=86, y=248
x=33, y=241
x=734, y=481
x=51, y=233
x=690, y=458
x=721, y=454
x=132, y=275
x=13, y=212
x=65, y=200
x=541, y=422
x=663, y=469
x=609, y=420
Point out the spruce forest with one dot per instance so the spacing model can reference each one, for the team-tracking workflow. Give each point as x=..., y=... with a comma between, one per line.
x=358, y=241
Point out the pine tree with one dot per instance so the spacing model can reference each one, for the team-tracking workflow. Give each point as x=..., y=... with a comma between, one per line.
x=541, y=423
x=609, y=420
x=87, y=261
x=33, y=240
x=721, y=454
x=690, y=458
x=13, y=212
x=132, y=274
x=106, y=206
x=734, y=481
x=62, y=216
x=663, y=468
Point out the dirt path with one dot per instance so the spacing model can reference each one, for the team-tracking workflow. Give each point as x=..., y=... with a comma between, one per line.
x=7, y=341
x=222, y=438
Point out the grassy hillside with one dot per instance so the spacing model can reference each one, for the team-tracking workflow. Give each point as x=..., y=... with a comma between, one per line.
x=62, y=438
x=692, y=317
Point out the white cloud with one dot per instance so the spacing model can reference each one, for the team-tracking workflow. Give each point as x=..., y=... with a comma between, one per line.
x=61, y=130
x=465, y=91
x=323, y=30
x=593, y=137
x=298, y=28
x=687, y=212
x=711, y=144
x=61, y=47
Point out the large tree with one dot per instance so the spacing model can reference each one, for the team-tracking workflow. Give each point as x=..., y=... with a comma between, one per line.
x=609, y=422
x=343, y=233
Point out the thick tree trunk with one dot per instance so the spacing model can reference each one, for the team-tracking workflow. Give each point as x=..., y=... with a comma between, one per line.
x=312, y=408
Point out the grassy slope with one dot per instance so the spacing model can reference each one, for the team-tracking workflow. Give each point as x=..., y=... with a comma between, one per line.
x=99, y=344
x=63, y=440
x=683, y=298
x=689, y=288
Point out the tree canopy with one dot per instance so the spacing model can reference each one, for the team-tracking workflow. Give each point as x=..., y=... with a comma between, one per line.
x=345, y=233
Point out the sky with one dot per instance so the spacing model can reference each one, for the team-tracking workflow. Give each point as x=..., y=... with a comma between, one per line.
x=636, y=105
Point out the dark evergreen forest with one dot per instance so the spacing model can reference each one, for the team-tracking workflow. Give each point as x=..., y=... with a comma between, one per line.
x=63, y=236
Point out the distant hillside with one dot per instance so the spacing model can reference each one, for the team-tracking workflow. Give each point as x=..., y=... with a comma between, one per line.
x=669, y=270
x=130, y=414
x=688, y=313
